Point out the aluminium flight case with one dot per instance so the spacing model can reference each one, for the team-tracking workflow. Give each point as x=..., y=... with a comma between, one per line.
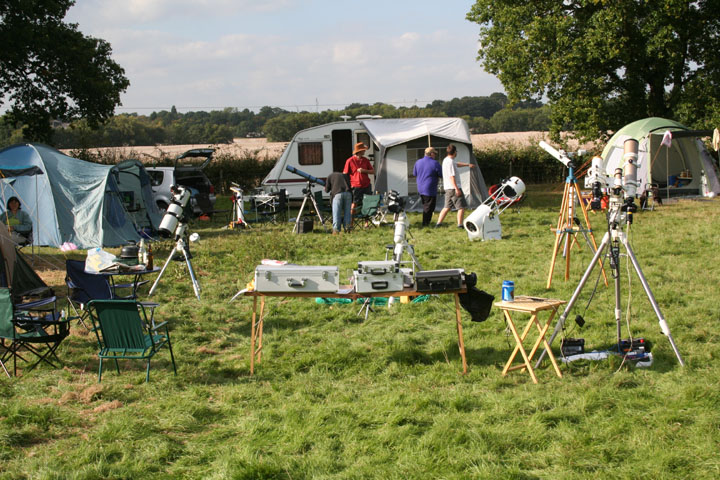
x=378, y=276
x=296, y=278
x=439, y=280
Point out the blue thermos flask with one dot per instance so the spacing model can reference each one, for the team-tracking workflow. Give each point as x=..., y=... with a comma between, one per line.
x=508, y=291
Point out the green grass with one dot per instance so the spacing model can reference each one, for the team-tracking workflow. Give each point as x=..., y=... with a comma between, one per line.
x=339, y=397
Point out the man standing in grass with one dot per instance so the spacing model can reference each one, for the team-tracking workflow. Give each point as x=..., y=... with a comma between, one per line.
x=454, y=197
x=427, y=171
x=358, y=168
x=340, y=198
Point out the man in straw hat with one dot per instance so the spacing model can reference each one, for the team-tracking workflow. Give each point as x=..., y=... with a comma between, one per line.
x=427, y=171
x=358, y=168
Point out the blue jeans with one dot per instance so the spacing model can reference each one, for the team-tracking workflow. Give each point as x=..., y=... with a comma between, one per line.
x=341, y=211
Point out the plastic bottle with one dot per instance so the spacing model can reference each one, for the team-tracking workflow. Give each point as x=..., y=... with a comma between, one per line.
x=142, y=253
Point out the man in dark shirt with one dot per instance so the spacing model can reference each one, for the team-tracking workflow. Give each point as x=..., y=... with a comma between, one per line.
x=427, y=171
x=341, y=200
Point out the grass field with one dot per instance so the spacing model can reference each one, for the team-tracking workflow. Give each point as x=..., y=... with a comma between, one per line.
x=336, y=396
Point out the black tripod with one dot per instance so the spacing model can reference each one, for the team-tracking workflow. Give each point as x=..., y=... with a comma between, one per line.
x=307, y=191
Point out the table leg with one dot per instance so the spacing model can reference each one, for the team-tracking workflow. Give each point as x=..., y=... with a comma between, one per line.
x=252, y=337
x=261, y=323
x=519, y=347
x=461, y=341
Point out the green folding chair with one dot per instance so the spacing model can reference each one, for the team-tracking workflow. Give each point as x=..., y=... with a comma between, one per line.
x=124, y=332
x=370, y=206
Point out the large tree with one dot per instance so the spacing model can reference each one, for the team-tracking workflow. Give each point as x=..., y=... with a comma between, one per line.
x=602, y=63
x=49, y=70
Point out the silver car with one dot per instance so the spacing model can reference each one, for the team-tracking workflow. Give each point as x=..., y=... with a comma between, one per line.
x=190, y=176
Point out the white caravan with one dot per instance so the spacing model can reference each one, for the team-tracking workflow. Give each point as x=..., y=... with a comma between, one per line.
x=394, y=147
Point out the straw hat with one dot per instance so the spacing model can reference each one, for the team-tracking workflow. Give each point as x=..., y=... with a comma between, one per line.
x=359, y=147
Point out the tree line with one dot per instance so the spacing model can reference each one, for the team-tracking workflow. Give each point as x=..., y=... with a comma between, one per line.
x=486, y=114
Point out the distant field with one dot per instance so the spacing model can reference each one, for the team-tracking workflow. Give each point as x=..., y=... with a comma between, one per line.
x=260, y=147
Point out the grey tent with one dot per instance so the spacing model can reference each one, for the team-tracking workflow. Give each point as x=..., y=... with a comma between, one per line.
x=72, y=201
x=137, y=195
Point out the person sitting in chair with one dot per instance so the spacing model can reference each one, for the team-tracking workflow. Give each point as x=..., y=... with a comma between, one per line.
x=18, y=222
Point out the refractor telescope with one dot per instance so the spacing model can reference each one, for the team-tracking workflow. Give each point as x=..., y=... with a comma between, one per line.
x=566, y=158
x=306, y=176
x=177, y=211
x=622, y=185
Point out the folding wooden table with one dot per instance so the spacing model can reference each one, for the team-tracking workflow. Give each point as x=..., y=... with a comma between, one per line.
x=532, y=306
x=346, y=291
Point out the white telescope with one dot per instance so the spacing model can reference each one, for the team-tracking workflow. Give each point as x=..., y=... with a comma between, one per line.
x=484, y=222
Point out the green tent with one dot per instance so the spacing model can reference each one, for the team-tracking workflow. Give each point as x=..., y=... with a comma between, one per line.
x=684, y=167
x=71, y=201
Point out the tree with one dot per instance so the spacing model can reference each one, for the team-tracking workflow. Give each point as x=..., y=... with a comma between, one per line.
x=603, y=64
x=49, y=70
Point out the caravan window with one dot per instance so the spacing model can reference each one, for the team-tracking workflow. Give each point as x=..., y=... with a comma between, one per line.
x=310, y=153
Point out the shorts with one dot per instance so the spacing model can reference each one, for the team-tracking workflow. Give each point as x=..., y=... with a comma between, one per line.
x=359, y=192
x=454, y=202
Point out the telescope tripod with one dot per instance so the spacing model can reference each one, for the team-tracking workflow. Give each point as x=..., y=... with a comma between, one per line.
x=612, y=240
x=308, y=195
x=180, y=246
x=566, y=227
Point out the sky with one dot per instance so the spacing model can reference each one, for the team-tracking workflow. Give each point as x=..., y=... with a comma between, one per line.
x=294, y=54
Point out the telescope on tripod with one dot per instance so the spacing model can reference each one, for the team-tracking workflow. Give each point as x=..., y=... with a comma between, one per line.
x=308, y=195
x=622, y=188
x=175, y=223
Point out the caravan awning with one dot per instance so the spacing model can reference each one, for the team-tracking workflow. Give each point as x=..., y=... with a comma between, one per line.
x=387, y=132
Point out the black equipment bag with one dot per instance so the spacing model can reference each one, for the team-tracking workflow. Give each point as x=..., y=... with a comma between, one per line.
x=305, y=225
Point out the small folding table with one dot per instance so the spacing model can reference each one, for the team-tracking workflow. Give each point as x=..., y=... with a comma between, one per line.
x=532, y=306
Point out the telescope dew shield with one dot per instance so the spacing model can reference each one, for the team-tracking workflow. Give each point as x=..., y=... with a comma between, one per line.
x=306, y=176
x=174, y=212
x=630, y=156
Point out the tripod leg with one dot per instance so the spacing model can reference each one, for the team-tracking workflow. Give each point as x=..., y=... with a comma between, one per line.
x=558, y=236
x=661, y=320
x=296, y=228
x=195, y=284
x=317, y=212
x=590, y=231
x=576, y=294
x=157, y=280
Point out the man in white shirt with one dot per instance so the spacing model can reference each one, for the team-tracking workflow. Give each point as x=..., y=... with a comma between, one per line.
x=454, y=197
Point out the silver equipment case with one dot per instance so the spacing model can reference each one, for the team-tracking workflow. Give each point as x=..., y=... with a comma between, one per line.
x=378, y=276
x=296, y=278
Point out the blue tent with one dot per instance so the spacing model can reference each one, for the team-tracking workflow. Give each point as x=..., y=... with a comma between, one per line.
x=70, y=201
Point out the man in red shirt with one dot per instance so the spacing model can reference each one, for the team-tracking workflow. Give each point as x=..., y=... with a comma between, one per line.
x=358, y=168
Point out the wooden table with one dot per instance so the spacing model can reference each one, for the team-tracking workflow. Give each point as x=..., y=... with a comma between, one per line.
x=345, y=291
x=533, y=306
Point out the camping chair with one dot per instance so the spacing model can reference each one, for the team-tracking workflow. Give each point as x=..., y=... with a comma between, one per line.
x=276, y=209
x=123, y=332
x=325, y=210
x=30, y=326
x=370, y=206
x=84, y=287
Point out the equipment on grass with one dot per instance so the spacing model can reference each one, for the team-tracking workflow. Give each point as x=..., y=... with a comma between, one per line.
x=621, y=207
x=572, y=346
x=238, y=210
x=568, y=226
x=484, y=223
x=308, y=195
x=175, y=219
